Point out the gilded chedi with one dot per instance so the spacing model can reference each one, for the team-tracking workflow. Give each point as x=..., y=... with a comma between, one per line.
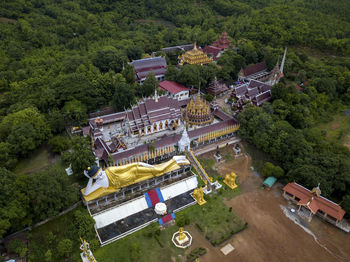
x=104, y=182
x=198, y=111
x=195, y=57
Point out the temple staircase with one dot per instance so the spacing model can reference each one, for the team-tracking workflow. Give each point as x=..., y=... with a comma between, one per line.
x=201, y=172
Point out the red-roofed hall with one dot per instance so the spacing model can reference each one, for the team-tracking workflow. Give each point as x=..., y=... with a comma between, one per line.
x=174, y=89
x=314, y=202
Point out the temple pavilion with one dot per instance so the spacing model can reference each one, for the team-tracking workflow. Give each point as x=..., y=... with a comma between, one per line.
x=223, y=42
x=195, y=57
x=198, y=111
x=217, y=48
x=216, y=88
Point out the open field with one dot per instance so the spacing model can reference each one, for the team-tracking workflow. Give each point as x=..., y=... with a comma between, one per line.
x=38, y=160
x=270, y=235
x=338, y=130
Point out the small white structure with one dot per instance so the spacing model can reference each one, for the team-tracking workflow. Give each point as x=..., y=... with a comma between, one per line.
x=237, y=149
x=183, y=243
x=160, y=208
x=227, y=249
x=69, y=170
x=185, y=142
x=217, y=157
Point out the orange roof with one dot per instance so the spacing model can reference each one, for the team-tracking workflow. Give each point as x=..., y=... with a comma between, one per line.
x=313, y=202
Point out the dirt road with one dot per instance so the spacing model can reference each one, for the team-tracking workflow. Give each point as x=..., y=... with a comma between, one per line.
x=270, y=235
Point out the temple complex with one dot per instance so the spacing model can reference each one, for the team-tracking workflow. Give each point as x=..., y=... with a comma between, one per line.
x=198, y=111
x=216, y=88
x=195, y=57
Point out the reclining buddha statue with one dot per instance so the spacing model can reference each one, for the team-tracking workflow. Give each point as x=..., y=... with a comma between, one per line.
x=112, y=179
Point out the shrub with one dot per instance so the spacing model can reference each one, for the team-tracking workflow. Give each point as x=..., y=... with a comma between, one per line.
x=59, y=144
x=196, y=253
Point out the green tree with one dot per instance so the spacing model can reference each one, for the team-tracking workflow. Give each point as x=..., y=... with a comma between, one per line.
x=190, y=75
x=75, y=112
x=59, y=143
x=64, y=247
x=171, y=73
x=84, y=225
x=56, y=121
x=24, y=130
x=278, y=172
x=346, y=204
x=4, y=153
x=149, y=85
x=268, y=169
x=134, y=52
x=124, y=96
x=129, y=74
x=48, y=256
x=109, y=59
x=18, y=246
x=50, y=192
x=81, y=156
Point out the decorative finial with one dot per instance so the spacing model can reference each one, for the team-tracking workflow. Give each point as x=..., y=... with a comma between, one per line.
x=155, y=95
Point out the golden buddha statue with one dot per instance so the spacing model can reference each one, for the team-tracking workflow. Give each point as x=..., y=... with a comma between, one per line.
x=114, y=178
x=199, y=196
x=230, y=180
x=182, y=235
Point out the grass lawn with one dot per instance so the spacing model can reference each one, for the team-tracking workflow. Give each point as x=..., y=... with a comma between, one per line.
x=338, y=129
x=214, y=219
x=143, y=246
x=37, y=160
x=208, y=165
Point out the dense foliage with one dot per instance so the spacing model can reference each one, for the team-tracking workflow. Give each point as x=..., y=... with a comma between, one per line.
x=26, y=200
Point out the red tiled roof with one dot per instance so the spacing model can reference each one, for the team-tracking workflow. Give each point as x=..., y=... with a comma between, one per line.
x=213, y=50
x=172, y=87
x=222, y=115
x=253, y=69
x=313, y=202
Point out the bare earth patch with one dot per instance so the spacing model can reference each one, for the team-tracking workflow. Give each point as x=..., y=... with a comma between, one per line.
x=270, y=236
x=7, y=20
x=335, y=125
x=347, y=141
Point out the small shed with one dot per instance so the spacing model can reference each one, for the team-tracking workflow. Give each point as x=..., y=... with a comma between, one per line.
x=269, y=182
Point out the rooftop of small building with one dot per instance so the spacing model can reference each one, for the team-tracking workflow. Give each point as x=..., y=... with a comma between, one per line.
x=314, y=202
x=172, y=87
x=255, y=68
